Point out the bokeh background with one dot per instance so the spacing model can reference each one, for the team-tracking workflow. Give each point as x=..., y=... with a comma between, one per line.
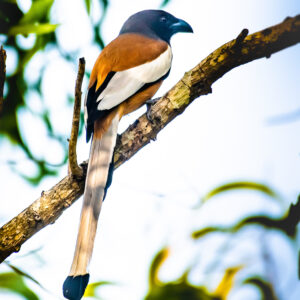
x=175, y=223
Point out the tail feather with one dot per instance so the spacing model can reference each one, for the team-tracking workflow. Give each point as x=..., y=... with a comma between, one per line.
x=74, y=287
x=97, y=181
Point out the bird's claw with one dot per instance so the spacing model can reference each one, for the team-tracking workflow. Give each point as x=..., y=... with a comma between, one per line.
x=149, y=104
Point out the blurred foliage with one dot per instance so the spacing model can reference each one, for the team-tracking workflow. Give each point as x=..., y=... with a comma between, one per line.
x=164, y=3
x=14, y=283
x=287, y=223
x=182, y=288
x=241, y=185
x=176, y=290
x=265, y=288
x=22, y=273
x=227, y=283
x=91, y=290
x=88, y=5
x=13, y=22
x=36, y=21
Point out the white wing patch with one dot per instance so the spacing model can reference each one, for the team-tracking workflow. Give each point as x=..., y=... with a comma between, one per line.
x=125, y=83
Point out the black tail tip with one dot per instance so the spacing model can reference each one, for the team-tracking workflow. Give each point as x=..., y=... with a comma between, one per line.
x=74, y=286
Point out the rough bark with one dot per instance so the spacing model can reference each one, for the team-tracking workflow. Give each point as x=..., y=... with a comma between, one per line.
x=196, y=82
x=2, y=76
x=74, y=169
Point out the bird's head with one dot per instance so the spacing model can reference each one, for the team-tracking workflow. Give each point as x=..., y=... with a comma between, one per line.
x=156, y=24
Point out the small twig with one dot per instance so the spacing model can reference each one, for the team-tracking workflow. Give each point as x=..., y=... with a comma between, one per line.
x=2, y=75
x=74, y=169
x=241, y=36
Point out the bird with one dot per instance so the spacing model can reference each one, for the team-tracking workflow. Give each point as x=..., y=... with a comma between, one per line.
x=127, y=73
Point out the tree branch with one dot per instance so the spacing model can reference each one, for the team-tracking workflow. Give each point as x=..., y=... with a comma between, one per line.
x=2, y=76
x=194, y=83
x=74, y=169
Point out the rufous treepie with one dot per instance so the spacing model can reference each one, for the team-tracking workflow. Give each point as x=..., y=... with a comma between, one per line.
x=127, y=73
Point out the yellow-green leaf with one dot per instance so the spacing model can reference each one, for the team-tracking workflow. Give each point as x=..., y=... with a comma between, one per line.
x=227, y=282
x=248, y=185
x=91, y=288
x=88, y=5
x=156, y=264
x=22, y=273
x=14, y=283
x=38, y=11
x=32, y=28
x=201, y=232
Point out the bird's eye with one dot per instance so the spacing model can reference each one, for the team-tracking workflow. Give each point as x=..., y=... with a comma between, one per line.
x=163, y=19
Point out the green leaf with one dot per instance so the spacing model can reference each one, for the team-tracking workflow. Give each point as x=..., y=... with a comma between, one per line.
x=32, y=28
x=239, y=185
x=88, y=5
x=179, y=290
x=22, y=273
x=164, y=3
x=201, y=232
x=156, y=264
x=287, y=224
x=14, y=283
x=265, y=288
x=176, y=290
x=38, y=11
x=91, y=288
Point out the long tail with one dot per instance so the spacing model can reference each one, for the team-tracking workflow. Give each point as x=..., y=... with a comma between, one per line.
x=97, y=181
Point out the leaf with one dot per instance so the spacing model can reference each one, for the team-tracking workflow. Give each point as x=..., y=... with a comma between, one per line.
x=227, y=282
x=88, y=5
x=164, y=3
x=287, y=223
x=38, y=12
x=201, y=232
x=283, y=224
x=265, y=288
x=91, y=288
x=248, y=185
x=179, y=290
x=22, y=273
x=14, y=283
x=156, y=264
x=32, y=28
x=176, y=290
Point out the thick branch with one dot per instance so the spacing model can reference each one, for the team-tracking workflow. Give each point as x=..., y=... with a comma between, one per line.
x=74, y=169
x=194, y=83
x=2, y=76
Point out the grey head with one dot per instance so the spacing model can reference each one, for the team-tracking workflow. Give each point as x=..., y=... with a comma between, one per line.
x=156, y=24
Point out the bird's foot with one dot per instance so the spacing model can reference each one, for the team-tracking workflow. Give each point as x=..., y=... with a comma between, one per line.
x=149, y=104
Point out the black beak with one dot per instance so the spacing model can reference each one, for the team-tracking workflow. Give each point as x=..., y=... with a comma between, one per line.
x=181, y=26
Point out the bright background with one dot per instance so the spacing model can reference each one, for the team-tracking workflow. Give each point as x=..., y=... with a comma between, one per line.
x=232, y=134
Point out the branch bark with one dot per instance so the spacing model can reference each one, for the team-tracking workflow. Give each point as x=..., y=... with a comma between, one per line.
x=74, y=169
x=196, y=82
x=2, y=76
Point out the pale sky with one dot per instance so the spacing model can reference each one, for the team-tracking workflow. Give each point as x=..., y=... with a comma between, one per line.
x=223, y=137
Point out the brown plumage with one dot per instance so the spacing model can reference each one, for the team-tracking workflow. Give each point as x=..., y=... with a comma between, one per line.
x=125, y=52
